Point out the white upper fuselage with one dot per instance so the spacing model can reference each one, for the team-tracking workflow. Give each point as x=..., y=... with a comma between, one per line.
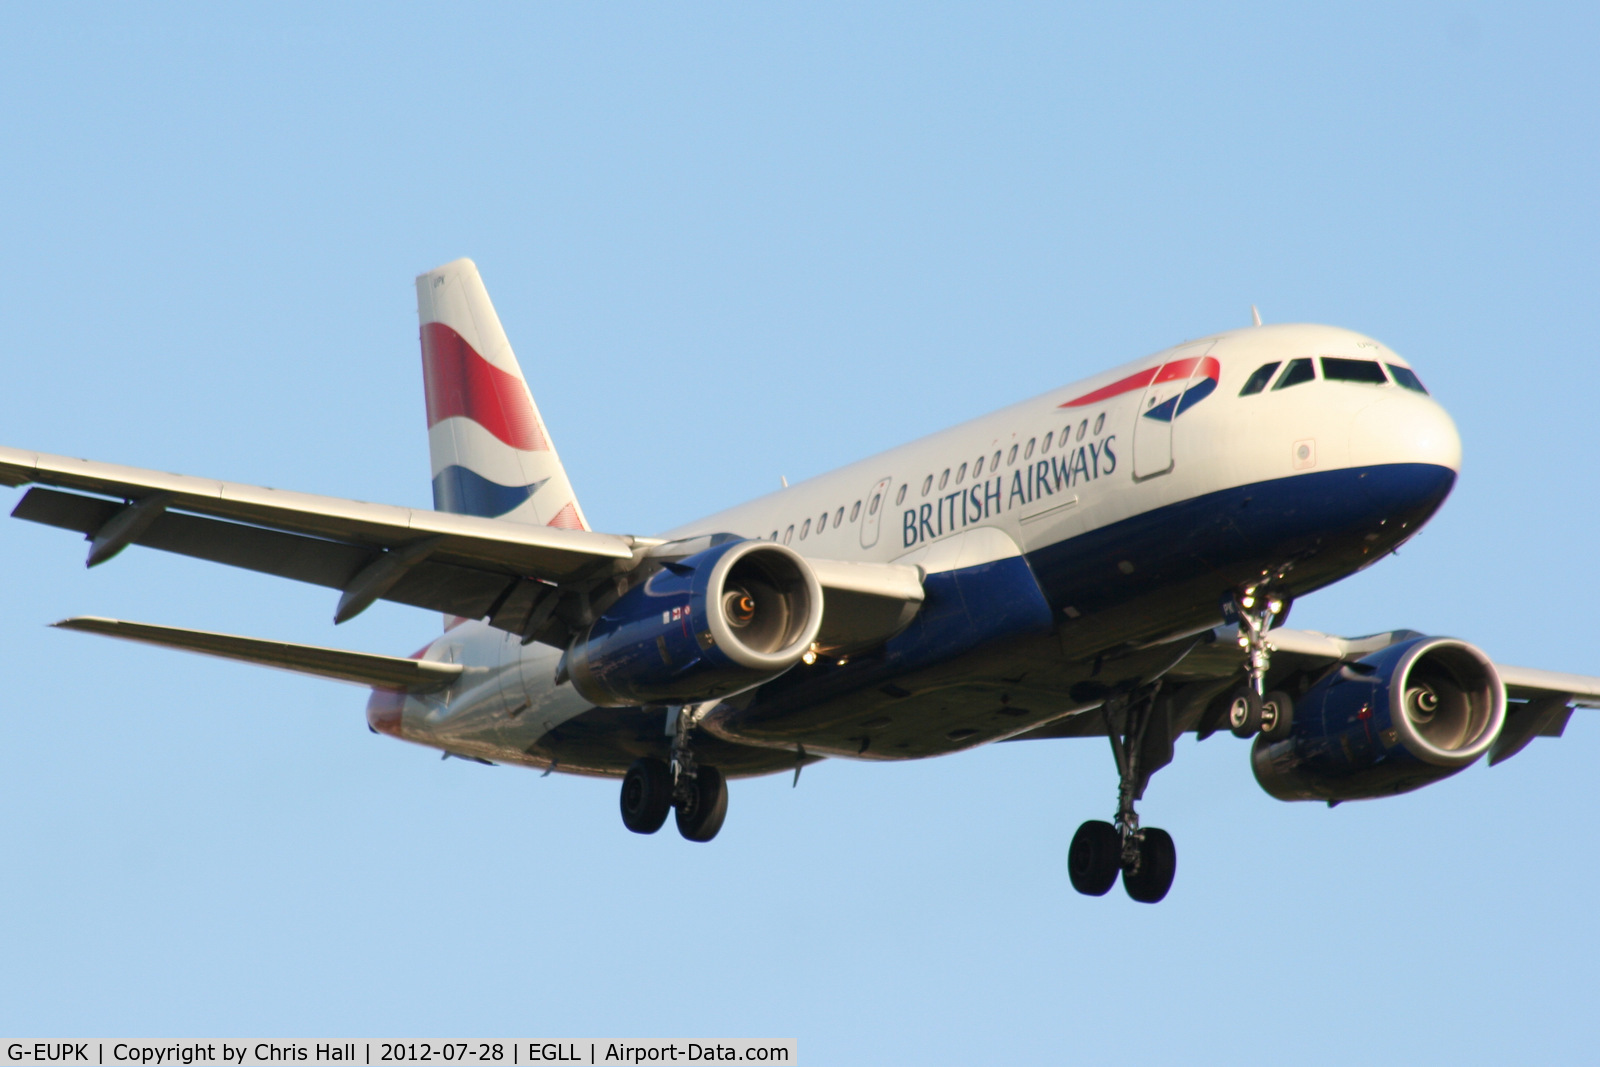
x=1226, y=440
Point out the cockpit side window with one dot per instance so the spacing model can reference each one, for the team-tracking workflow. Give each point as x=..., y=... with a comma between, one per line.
x=1407, y=378
x=1258, y=381
x=1367, y=371
x=1299, y=370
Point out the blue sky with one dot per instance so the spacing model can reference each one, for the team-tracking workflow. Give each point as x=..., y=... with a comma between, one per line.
x=731, y=243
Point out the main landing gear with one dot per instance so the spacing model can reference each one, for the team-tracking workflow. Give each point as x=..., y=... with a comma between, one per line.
x=652, y=787
x=1141, y=741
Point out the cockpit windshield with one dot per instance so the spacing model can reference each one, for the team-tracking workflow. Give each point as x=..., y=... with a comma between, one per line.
x=1258, y=381
x=1407, y=378
x=1334, y=369
x=1370, y=371
x=1299, y=370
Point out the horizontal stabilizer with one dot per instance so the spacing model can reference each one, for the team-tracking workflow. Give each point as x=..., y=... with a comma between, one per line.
x=362, y=668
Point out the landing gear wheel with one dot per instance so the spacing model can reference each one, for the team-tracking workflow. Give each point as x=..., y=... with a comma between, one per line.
x=1149, y=881
x=1277, y=715
x=1244, y=712
x=704, y=805
x=1095, y=858
x=646, y=795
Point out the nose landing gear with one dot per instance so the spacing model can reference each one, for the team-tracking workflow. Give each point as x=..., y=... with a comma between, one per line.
x=1252, y=709
x=652, y=787
x=1141, y=741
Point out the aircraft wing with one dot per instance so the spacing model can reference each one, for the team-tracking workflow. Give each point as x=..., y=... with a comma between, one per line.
x=362, y=668
x=1540, y=702
x=1220, y=657
x=512, y=574
x=865, y=604
x=1522, y=683
x=457, y=564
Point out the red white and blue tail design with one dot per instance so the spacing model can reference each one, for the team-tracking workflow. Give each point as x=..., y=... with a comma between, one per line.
x=491, y=453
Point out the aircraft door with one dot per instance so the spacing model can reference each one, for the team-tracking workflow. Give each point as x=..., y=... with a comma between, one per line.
x=1152, y=427
x=874, y=505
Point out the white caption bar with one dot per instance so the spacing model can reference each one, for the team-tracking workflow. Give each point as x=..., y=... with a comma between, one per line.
x=567, y=1053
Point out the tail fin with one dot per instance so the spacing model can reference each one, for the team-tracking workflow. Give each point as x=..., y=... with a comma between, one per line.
x=491, y=453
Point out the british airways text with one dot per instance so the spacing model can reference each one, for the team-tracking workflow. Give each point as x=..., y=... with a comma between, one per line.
x=1030, y=482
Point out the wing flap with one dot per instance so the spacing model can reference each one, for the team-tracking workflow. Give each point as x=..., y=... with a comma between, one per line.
x=360, y=668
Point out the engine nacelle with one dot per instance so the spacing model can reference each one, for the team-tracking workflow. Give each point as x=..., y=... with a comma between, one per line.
x=703, y=627
x=1403, y=717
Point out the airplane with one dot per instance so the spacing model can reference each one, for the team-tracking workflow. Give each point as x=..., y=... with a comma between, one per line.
x=1115, y=558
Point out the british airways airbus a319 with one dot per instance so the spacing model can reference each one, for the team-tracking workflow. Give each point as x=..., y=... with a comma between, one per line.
x=1112, y=559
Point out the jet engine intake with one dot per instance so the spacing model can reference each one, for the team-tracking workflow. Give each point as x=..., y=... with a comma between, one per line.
x=1402, y=718
x=702, y=627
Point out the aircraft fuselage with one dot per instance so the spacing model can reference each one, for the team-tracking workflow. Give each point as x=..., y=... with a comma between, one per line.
x=1067, y=542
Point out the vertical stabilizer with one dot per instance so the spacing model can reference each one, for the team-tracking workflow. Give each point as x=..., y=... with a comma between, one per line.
x=491, y=453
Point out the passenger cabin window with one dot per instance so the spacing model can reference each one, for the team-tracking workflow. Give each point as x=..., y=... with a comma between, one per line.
x=1367, y=371
x=1258, y=381
x=822, y=523
x=838, y=517
x=994, y=464
x=774, y=536
x=1098, y=422
x=855, y=511
x=944, y=479
x=1044, y=448
x=927, y=484
x=961, y=473
x=1029, y=453
x=1299, y=370
x=900, y=497
x=788, y=535
x=1083, y=427
x=1407, y=378
x=805, y=528
x=1011, y=457
x=872, y=508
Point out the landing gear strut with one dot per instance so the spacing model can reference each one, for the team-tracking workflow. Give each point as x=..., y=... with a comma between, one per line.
x=652, y=787
x=1251, y=708
x=1142, y=744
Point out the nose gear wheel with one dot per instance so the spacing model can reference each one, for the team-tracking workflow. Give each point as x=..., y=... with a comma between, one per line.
x=1255, y=609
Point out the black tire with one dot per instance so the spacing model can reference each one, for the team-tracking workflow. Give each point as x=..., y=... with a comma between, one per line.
x=1158, y=862
x=646, y=795
x=1244, y=712
x=1095, y=858
x=700, y=815
x=1277, y=715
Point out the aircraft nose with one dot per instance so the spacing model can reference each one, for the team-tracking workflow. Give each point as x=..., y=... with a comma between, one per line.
x=1405, y=428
